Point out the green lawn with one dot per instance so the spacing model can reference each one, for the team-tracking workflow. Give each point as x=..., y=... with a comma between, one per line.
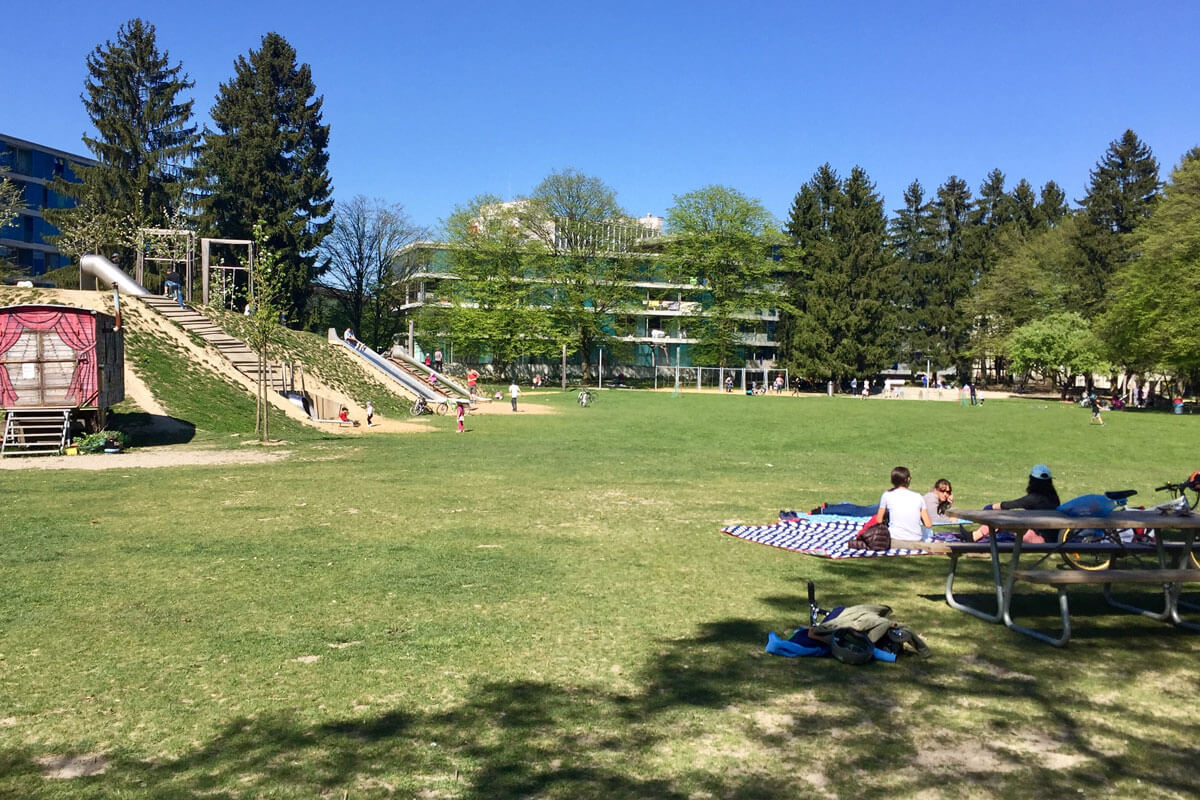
x=545, y=607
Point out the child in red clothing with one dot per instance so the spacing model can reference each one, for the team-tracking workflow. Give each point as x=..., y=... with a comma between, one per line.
x=462, y=418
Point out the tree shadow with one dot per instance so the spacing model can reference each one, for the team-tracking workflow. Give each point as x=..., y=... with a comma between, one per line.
x=152, y=430
x=702, y=705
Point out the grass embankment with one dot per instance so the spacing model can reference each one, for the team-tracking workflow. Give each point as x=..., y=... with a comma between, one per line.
x=544, y=607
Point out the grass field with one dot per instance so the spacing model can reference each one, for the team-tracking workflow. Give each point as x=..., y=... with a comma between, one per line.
x=545, y=607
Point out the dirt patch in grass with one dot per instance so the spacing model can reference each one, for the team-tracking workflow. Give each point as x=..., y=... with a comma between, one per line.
x=83, y=765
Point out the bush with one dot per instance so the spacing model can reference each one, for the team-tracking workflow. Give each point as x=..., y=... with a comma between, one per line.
x=97, y=442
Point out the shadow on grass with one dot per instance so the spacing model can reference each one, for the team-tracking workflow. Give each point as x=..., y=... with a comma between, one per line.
x=153, y=430
x=712, y=716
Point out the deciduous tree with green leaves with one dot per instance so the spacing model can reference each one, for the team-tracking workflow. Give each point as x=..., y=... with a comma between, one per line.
x=145, y=141
x=732, y=245
x=1153, y=320
x=578, y=222
x=268, y=160
x=497, y=302
x=1059, y=346
x=267, y=302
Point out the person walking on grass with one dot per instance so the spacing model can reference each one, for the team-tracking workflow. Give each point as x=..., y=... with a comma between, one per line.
x=514, y=392
x=462, y=418
x=1095, y=406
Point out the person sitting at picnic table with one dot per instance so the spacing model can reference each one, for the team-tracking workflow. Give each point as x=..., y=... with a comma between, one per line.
x=938, y=502
x=1040, y=495
x=904, y=510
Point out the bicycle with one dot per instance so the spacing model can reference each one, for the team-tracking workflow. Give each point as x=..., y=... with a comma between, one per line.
x=421, y=406
x=586, y=398
x=1093, y=562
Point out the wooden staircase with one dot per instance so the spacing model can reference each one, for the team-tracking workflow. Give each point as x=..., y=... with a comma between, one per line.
x=239, y=354
x=36, y=431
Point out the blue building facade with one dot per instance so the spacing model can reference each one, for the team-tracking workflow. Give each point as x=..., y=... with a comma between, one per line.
x=34, y=168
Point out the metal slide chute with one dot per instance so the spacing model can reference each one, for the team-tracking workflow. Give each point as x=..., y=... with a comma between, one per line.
x=410, y=382
x=94, y=267
x=402, y=358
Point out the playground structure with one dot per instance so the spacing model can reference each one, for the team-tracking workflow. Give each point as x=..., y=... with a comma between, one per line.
x=286, y=380
x=408, y=375
x=170, y=248
x=57, y=364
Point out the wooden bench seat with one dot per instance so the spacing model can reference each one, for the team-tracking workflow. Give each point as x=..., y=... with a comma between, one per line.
x=1073, y=577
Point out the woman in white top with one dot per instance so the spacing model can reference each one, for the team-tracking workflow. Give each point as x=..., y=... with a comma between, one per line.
x=904, y=509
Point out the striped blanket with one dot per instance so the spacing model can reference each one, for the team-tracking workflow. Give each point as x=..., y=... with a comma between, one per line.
x=820, y=535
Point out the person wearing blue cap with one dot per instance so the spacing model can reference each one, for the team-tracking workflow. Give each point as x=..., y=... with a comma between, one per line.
x=1040, y=495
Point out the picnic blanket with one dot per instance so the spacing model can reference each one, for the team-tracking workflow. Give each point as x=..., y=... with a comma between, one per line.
x=821, y=535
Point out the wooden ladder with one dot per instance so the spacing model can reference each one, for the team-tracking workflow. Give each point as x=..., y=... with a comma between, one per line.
x=35, y=431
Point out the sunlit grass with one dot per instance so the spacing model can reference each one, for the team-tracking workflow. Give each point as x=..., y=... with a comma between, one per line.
x=545, y=607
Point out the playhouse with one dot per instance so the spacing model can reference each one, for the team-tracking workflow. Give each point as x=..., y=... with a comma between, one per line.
x=57, y=363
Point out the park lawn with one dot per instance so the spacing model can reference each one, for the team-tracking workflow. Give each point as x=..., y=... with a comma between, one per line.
x=545, y=607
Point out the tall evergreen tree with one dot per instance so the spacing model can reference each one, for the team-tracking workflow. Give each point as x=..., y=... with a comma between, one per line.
x=815, y=291
x=1053, y=206
x=268, y=160
x=951, y=276
x=145, y=140
x=913, y=236
x=1122, y=193
x=840, y=322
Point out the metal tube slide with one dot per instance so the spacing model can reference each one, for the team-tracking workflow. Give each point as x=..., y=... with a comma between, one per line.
x=100, y=267
x=398, y=354
x=414, y=385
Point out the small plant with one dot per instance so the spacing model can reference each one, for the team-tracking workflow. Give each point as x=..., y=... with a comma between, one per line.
x=101, y=440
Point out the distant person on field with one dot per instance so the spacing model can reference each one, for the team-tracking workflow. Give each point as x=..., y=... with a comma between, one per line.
x=472, y=382
x=370, y=413
x=729, y=383
x=1094, y=404
x=437, y=359
x=514, y=392
x=462, y=418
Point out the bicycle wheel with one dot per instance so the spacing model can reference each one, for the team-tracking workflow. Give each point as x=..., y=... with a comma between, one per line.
x=414, y=410
x=443, y=408
x=1076, y=559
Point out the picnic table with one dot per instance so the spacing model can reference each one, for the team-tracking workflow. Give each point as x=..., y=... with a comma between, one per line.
x=1159, y=564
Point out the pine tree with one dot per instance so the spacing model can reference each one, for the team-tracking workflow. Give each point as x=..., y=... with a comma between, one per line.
x=912, y=234
x=145, y=141
x=1124, y=188
x=268, y=161
x=1053, y=206
x=841, y=296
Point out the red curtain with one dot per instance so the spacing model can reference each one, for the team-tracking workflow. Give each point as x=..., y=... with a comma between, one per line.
x=75, y=329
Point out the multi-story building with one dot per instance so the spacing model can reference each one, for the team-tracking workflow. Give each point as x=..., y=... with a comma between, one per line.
x=654, y=326
x=34, y=167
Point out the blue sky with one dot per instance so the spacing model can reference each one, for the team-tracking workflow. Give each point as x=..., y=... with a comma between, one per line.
x=433, y=103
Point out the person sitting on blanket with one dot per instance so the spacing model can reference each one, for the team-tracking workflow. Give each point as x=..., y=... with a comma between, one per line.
x=939, y=500
x=904, y=509
x=1040, y=495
